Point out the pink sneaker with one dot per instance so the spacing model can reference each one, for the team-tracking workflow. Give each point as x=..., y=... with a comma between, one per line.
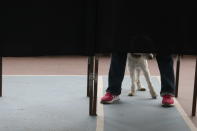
x=108, y=98
x=167, y=100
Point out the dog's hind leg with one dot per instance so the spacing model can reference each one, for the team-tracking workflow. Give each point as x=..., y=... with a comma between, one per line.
x=147, y=77
x=133, y=80
x=139, y=86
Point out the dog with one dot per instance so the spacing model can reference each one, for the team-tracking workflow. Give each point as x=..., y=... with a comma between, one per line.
x=137, y=62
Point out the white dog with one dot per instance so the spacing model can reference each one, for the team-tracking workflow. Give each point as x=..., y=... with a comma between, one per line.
x=136, y=63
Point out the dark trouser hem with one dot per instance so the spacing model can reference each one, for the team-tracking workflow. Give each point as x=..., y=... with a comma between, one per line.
x=167, y=93
x=113, y=93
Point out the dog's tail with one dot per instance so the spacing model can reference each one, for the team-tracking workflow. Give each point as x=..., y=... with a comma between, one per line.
x=150, y=56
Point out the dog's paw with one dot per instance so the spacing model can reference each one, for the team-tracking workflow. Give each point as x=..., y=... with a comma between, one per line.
x=154, y=97
x=141, y=89
x=131, y=94
x=153, y=94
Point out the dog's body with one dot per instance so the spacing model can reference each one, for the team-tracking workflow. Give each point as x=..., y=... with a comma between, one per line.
x=137, y=62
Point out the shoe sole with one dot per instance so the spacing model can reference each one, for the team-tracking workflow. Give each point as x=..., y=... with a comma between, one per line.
x=109, y=102
x=167, y=105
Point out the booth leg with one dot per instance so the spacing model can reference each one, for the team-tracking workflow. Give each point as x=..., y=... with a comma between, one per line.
x=88, y=76
x=94, y=108
x=1, y=77
x=194, y=93
x=177, y=75
x=91, y=84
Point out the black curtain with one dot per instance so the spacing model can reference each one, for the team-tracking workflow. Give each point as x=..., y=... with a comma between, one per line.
x=47, y=27
x=136, y=26
x=85, y=27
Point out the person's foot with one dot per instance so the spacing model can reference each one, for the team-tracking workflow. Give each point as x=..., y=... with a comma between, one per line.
x=167, y=101
x=109, y=98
